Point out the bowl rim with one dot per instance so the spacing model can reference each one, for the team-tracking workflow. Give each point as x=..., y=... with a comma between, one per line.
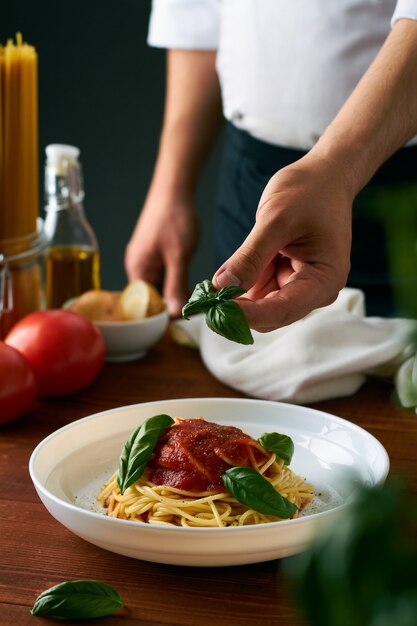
x=145, y=320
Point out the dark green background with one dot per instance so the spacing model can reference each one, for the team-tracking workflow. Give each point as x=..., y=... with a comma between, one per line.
x=101, y=88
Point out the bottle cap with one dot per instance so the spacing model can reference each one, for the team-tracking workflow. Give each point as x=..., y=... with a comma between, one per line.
x=63, y=176
x=57, y=152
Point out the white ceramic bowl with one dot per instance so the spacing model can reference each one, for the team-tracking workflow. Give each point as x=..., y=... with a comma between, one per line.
x=130, y=340
x=69, y=467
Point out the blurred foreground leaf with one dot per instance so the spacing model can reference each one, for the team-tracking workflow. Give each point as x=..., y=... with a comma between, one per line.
x=363, y=570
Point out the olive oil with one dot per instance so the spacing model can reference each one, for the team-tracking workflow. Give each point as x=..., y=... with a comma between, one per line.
x=70, y=271
x=72, y=257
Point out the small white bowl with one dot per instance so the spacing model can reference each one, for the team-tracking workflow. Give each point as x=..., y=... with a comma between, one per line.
x=131, y=340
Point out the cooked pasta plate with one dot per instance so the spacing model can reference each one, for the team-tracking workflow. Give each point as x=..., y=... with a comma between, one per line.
x=70, y=467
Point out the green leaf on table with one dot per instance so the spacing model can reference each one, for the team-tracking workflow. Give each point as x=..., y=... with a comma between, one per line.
x=223, y=316
x=250, y=488
x=78, y=599
x=282, y=445
x=138, y=450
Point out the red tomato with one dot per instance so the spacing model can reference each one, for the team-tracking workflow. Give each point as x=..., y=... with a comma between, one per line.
x=17, y=384
x=65, y=350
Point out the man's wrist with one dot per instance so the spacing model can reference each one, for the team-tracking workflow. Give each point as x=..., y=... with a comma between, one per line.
x=172, y=185
x=346, y=161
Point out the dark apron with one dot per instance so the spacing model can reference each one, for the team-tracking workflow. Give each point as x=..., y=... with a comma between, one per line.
x=384, y=223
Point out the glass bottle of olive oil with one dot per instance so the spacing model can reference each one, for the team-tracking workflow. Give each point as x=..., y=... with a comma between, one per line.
x=72, y=257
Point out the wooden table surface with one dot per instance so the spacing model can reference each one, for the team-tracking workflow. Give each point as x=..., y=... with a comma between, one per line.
x=38, y=552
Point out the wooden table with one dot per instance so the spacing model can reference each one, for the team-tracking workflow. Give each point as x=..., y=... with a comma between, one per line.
x=37, y=552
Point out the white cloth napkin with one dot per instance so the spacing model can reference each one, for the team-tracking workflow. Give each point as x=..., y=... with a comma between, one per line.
x=327, y=354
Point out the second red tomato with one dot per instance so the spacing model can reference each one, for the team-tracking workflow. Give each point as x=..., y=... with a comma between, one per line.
x=17, y=384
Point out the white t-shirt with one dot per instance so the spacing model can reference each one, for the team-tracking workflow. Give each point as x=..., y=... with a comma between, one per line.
x=285, y=66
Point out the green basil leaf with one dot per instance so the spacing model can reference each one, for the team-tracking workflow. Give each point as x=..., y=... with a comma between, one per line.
x=227, y=293
x=202, y=298
x=203, y=290
x=250, y=488
x=223, y=315
x=228, y=319
x=138, y=449
x=196, y=307
x=78, y=599
x=282, y=445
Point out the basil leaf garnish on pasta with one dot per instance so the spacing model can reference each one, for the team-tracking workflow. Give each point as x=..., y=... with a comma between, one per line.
x=282, y=445
x=223, y=316
x=78, y=599
x=250, y=488
x=138, y=450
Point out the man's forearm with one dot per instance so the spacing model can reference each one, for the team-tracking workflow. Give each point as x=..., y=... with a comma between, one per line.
x=192, y=119
x=380, y=115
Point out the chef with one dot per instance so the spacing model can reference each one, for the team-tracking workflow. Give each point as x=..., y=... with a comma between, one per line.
x=319, y=100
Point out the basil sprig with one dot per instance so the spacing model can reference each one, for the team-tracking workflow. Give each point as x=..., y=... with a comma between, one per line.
x=78, y=599
x=223, y=316
x=138, y=449
x=250, y=488
x=282, y=445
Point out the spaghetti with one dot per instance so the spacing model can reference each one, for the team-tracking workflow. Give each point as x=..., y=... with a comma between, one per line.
x=182, y=485
x=18, y=141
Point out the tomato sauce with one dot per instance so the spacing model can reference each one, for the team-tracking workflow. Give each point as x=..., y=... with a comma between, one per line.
x=193, y=454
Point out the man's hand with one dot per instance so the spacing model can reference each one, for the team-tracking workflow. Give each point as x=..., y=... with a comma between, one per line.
x=296, y=258
x=161, y=247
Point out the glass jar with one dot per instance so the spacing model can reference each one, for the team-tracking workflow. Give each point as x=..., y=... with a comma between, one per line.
x=21, y=277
